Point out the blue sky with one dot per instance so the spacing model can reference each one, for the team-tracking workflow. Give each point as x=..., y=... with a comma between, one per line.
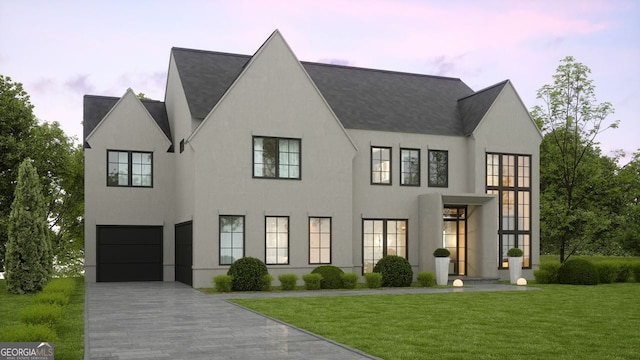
x=62, y=50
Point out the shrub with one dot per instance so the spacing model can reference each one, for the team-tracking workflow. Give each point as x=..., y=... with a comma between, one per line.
x=635, y=269
x=624, y=272
x=266, y=282
x=514, y=252
x=330, y=276
x=288, y=281
x=548, y=273
x=51, y=298
x=426, y=279
x=223, y=283
x=441, y=252
x=28, y=333
x=61, y=285
x=349, y=280
x=578, y=272
x=607, y=271
x=396, y=271
x=312, y=281
x=373, y=280
x=41, y=314
x=248, y=274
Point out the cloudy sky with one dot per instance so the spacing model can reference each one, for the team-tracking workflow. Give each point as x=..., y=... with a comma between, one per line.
x=61, y=50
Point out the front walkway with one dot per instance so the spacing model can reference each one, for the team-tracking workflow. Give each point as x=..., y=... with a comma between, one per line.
x=170, y=320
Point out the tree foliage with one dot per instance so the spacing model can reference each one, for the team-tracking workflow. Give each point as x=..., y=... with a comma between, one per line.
x=29, y=258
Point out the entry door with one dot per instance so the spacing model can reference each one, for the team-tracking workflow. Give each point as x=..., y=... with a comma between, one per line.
x=184, y=252
x=454, y=233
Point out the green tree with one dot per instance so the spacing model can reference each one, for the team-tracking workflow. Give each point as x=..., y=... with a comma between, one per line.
x=29, y=261
x=571, y=119
x=629, y=236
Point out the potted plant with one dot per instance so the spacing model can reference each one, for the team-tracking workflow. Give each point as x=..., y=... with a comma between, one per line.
x=442, y=265
x=515, y=264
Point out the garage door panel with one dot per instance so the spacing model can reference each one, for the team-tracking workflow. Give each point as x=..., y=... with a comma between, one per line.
x=129, y=253
x=133, y=253
x=129, y=272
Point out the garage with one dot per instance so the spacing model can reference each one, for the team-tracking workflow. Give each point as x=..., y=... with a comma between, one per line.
x=129, y=253
x=184, y=253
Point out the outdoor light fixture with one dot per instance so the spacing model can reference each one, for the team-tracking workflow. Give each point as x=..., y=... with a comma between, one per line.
x=457, y=283
x=521, y=281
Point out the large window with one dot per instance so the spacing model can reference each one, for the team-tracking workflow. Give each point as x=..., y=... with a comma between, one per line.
x=277, y=242
x=509, y=177
x=410, y=167
x=129, y=168
x=276, y=158
x=381, y=238
x=231, y=239
x=320, y=240
x=381, y=165
x=438, y=168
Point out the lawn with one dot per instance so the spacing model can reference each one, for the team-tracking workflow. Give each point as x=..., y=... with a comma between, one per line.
x=558, y=321
x=70, y=344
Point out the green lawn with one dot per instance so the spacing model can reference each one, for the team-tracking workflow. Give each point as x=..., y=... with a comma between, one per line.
x=70, y=344
x=558, y=321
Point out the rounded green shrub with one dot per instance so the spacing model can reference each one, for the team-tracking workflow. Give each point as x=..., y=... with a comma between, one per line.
x=248, y=274
x=396, y=271
x=41, y=314
x=349, y=280
x=312, y=281
x=373, y=280
x=578, y=272
x=426, y=279
x=441, y=252
x=223, y=283
x=548, y=273
x=51, y=298
x=514, y=252
x=288, y=281
x=28, y=333
x=330, y=276
x=266, y=282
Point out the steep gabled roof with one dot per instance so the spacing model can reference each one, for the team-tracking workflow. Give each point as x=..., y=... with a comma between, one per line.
x=97, y=107
x=475, y=106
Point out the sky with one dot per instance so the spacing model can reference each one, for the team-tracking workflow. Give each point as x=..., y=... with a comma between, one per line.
x=62, y=50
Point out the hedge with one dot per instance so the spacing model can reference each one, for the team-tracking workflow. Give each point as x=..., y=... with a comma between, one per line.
x=349, y=280
x=312, y=281
x=288, y=281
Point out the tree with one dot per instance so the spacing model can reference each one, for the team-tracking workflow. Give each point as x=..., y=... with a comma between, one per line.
x=629, y=236
x=29, y=261
x=571, y=120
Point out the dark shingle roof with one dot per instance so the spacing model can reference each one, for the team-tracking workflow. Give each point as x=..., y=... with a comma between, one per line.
x=475, y=106
x=97, y=107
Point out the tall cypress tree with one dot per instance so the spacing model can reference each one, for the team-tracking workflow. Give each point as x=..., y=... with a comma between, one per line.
x=28, y=261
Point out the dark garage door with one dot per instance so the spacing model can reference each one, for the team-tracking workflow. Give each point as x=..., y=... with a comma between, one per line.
x=129, y=253
x=184, y=252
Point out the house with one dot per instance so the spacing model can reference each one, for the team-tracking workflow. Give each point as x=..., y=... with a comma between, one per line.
x=302, y=164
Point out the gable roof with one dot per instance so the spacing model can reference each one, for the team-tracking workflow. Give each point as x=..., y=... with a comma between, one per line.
x=97, y=107
x=475, y=106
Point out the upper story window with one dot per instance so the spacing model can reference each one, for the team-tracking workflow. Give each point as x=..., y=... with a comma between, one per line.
x=129, y=168
x=410, y=167
x=381, y=165
x=438, y=168
x=276, y=158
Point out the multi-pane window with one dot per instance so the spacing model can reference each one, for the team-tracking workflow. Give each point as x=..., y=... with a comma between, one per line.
x=509, y=177
x=276, y=158
x=277, y=240
x=320, y=240
x=231, y=239
x=438, y=168
x=129, y=168
x=381, y=165
x=381, y=238
x=410, y=167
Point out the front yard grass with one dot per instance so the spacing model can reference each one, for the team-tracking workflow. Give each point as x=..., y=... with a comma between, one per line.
x=558, y=321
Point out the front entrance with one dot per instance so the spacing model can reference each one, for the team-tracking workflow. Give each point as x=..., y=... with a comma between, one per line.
x=454, y=233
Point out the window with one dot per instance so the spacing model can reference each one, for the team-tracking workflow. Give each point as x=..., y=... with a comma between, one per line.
x=381, y=238
x=438, y=168
x=276, y=158
x=129, y=168
x=381, y=165
x=509, y=177
x=231, y=239
x=277, y=233
x=410, y=167
x=320, y=240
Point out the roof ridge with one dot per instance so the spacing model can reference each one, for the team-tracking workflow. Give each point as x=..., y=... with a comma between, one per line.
x=485, y=89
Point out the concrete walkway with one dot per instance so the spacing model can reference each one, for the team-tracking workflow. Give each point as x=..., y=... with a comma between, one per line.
x=170, y=320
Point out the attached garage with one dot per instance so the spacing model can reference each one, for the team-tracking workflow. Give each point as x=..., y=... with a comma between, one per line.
x=184, y=253
x=129, y=253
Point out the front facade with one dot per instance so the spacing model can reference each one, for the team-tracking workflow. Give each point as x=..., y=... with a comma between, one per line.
x=305, y=164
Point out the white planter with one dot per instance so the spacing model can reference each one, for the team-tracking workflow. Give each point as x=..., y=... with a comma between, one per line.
x=442, y=270
x=515, y=269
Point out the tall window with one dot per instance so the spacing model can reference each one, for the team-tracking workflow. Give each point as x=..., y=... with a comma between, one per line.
x=276, y=158
x=381, y=238
x=509, y=177
x=129, y=168
x=231, y=239
x=277, y=242
x=410, y=167
x=320, y=240
x=438, y=168
x=381, y=165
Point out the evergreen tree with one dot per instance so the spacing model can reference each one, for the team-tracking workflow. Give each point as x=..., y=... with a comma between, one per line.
x=29, y=260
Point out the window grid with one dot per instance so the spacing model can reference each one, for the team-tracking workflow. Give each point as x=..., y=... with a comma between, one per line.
x=277, y=240
x=410, y=167
x=129, y=168
x=438, y=168
x=380, y=165
x=231, y=238
x=319, y=240
x=276, y=158
x=382, y=237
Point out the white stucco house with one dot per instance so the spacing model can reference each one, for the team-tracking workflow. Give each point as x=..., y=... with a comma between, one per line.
x=302, y=164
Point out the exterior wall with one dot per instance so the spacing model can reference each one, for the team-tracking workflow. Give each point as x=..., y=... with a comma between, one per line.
x=273, y=97
x=128, y=127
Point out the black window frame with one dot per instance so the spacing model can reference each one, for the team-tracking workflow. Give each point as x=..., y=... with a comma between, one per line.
x=446, y=167
x=130, y=168
x=385, y=234
x=244, y=227
x=319, y=248
x=266, y=247
x=390, y=171
x=277, y=158
x=402, y=172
